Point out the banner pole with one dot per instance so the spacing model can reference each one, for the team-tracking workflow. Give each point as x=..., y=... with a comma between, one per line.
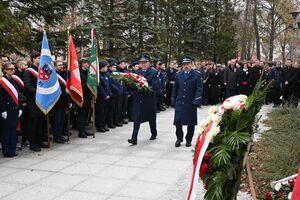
x=48, y=131
x=94, y=116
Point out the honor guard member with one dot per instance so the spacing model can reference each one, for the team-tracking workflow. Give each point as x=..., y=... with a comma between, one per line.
x=103, y=99
x=10, y=111
x=186, y=96
x=144, y=105
x=83, y=112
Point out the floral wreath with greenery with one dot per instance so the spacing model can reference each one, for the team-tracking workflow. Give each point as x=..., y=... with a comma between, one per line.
x=231, y=130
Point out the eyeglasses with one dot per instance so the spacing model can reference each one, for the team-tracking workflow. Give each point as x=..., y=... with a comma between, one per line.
x=60, y=65
x=12, y=69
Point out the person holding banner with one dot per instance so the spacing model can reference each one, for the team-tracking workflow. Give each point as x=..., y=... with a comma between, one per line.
x=35, y=115
x=10, y=111
x=60, y=106
x=83, y=112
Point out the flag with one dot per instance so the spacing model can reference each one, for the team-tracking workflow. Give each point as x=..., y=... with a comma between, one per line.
x=93, y=71
x=73, y=87
x=48, y=88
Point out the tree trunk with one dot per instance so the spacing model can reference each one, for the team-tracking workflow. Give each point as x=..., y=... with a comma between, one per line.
x=272, y=32
x=257, y=39
x=245, y=32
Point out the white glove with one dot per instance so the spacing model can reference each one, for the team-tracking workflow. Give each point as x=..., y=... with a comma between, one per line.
x=20, y=113
x=4, y=115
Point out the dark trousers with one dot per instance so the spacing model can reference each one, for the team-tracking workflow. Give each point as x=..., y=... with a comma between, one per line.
x=276, y=92
x=189, y=135
x=111, y=114
x=36, y=130
x=289, y=97
x=130, y=108
x=169, y=89
x=58, y=122
x=124, y=102
x=101, y=112
x=118, y=112
x=9, y=141
x=24, y=124
x=83, y=114
x=136, y=127
x=230, y=92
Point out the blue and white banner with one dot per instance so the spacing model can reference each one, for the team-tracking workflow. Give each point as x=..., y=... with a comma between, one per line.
x=48, y=88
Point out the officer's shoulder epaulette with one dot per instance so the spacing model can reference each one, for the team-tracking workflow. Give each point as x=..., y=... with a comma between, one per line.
x=198, y=71
x=178, y=72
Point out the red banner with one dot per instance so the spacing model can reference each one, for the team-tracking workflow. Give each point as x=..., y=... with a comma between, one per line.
x=74, y=87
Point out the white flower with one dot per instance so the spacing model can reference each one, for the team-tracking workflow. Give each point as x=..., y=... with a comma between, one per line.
x=243, y=97
x=290, y=195
x=215, y=131
x=210, y=137
x=216, y=118
x=209, y=119
x=212, y=110
x=203, y=123
x=228, y=105
x=277, y=186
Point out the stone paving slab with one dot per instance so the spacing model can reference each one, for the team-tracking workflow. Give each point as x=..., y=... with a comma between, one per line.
x=105, y=167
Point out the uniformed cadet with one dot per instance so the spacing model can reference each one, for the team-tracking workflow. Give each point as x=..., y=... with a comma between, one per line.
x=114, y=111
x=144, y=105
x=104, y=95
x=186, y=96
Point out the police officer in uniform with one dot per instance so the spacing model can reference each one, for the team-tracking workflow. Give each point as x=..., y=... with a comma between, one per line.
x=144, y=105
x=186, y=96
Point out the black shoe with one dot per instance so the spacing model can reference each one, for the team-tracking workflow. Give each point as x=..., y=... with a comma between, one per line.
x=188, y=144
x=163, y=109
x=44, y=146
x=63, y=139
x=81, y=134
x=9, y=155
x=88, y=133
x=177, y=143
x=58, y=140
x=131, y=141
x=35, y=148
x=101, y=130
x=118, y=124
x=106, y=129
x=158, y=111
x=125, y=122
x=111, y=126
x=153, y=137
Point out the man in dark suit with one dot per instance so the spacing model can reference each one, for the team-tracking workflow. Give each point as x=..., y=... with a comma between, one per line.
x=186, y=96
x=231, y=79
x=171, y=72
x=144, y=105
x=289, y=77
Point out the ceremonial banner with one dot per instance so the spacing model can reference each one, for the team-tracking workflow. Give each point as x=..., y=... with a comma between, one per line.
x=74, y=87
x=48, y=88
x=93, y=71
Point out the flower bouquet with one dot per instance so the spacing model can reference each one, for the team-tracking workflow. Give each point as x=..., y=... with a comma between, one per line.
x=221, y=145
x=134, y=81
x=281, y=189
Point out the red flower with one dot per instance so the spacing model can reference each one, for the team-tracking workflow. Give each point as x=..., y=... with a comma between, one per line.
x=141, y=83
x=292, y=183
x=280, y=195
x=207, y=157
x=203, y=169
x=206, y=185
x=268, y=196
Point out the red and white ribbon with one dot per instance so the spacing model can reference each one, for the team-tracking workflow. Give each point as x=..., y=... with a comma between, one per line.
x=201, y=147
x=61, y=80
x=33, y=72
x=18, y=81
x=11, y=90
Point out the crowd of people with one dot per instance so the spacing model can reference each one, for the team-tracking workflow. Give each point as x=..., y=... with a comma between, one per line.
x=115, y=102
